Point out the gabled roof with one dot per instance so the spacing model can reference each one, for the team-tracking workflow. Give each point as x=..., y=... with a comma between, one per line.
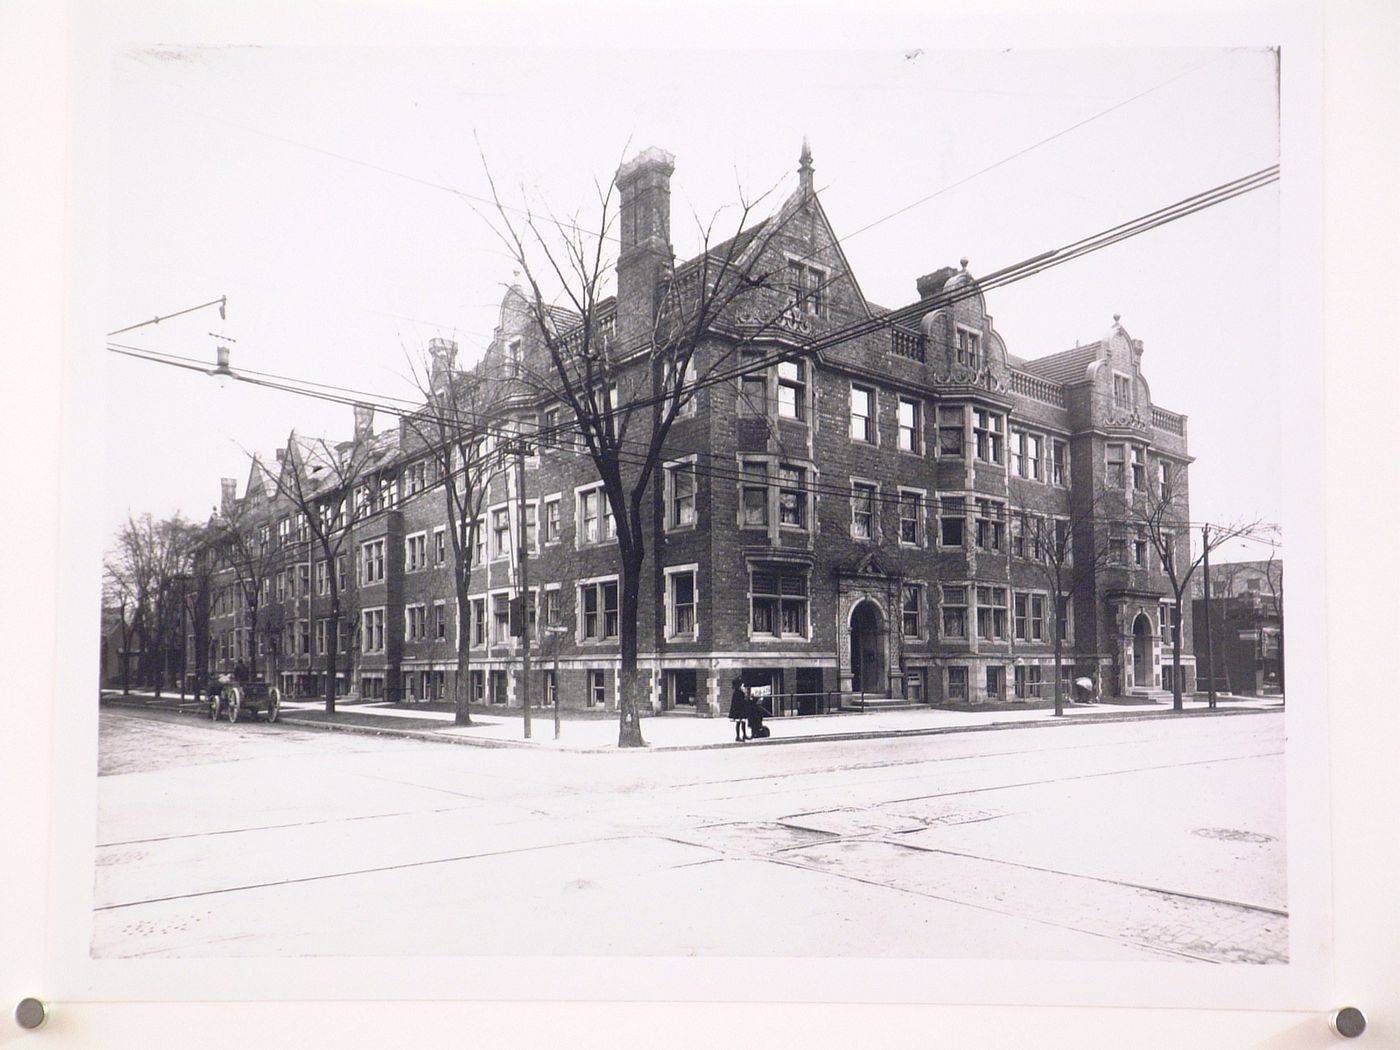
x=1068, y=366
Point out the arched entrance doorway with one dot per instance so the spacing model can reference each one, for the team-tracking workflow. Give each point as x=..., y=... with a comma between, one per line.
x=867, y=648
x=1142, y=652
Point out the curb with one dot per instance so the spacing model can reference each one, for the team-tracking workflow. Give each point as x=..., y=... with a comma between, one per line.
x=434, y=736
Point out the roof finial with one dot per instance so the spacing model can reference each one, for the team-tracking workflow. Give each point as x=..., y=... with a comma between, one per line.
x=963, y=262
x=804, y=167
x=1116, y=318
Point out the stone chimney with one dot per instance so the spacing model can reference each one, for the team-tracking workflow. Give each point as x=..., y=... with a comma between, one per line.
x=364, y=423
x=228, y=494
x=644, y=204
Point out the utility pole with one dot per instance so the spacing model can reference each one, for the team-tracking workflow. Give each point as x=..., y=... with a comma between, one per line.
x=1210, y=648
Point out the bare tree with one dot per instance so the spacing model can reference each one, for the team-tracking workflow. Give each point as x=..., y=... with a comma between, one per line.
x=324, y=483
x=1067, y=558
x=626, y=379
x=1159, y=515
x=460, y=416
x=142, y=576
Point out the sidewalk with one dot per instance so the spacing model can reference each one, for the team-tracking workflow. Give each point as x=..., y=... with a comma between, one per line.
x=685, y=731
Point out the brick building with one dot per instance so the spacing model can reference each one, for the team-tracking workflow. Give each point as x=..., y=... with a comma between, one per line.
x=848, y=513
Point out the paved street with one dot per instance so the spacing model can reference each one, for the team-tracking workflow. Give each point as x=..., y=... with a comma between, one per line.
x=1117, y=841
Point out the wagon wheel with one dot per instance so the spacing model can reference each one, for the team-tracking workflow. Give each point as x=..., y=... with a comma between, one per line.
x=274, y=703
x=235, y=702
x=213, y=704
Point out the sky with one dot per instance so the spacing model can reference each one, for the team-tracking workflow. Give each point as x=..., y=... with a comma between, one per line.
x=329, y=193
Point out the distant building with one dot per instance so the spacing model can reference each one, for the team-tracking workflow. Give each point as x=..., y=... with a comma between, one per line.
x=1246, y=627
x=849, y=519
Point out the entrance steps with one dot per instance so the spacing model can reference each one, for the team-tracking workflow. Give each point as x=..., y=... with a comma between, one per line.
x=876, y=702
x=1146, y=696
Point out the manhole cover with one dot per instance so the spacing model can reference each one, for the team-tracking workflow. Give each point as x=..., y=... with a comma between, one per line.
x=1232, y=835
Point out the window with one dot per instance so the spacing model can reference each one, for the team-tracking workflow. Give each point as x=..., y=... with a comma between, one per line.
x=1164, y=479
x=597, y=689
x=911, y=516
x=778, y=603
x=1035, y=455
x=415, y=478
x=477, y=687
x=753, y=386
x=911, y=425
x=1168, y=548
x=1028, y=615
x=1059, y=462
x=1122, y=390
x=598, y=610
x=753, y=511
x=440, y=621
x=1166, y=618
x=863, y=414
x=1140, y=553
x=792, y=389
x=500, y=532
x=987, y=435
x=680, y=488
x=372, y=561
x=991, y=524
x=991, y=612
x=1019, y=525
x=792, y=496
x=1139, y=468
x=913, y=603
x=1115, y=474
x=322, y=637
x=1018, y=452
x=500, y=619
x=954, y=612
x=951, y=521
x=1063, y=550
x=681, y=389
x=323, y=578
x=957, y=683
x=806, y=288
x=680, y=602
x=415, y=622
x=372, y=630
x=1117, y=550
x=551, y=520
x=950, y=431
x=969, y=348
x=439, y=546
x=342, y=571
x=532, y=531
x=478, y=621
x=595, y=520
x=549, y=432
x=303, y=581
x=1064, y=613
x=415, y=552
x=863, y=520
x=553, y=614
x=479, y=541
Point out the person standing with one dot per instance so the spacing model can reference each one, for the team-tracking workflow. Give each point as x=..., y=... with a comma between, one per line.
x=739, y=710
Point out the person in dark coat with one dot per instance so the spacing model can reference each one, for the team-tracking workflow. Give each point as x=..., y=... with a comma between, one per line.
x=739, y=710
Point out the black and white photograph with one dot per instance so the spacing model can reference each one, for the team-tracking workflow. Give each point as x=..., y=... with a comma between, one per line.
x=750, y=522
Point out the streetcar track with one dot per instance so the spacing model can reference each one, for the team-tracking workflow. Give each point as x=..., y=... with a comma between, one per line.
x=377, y=870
